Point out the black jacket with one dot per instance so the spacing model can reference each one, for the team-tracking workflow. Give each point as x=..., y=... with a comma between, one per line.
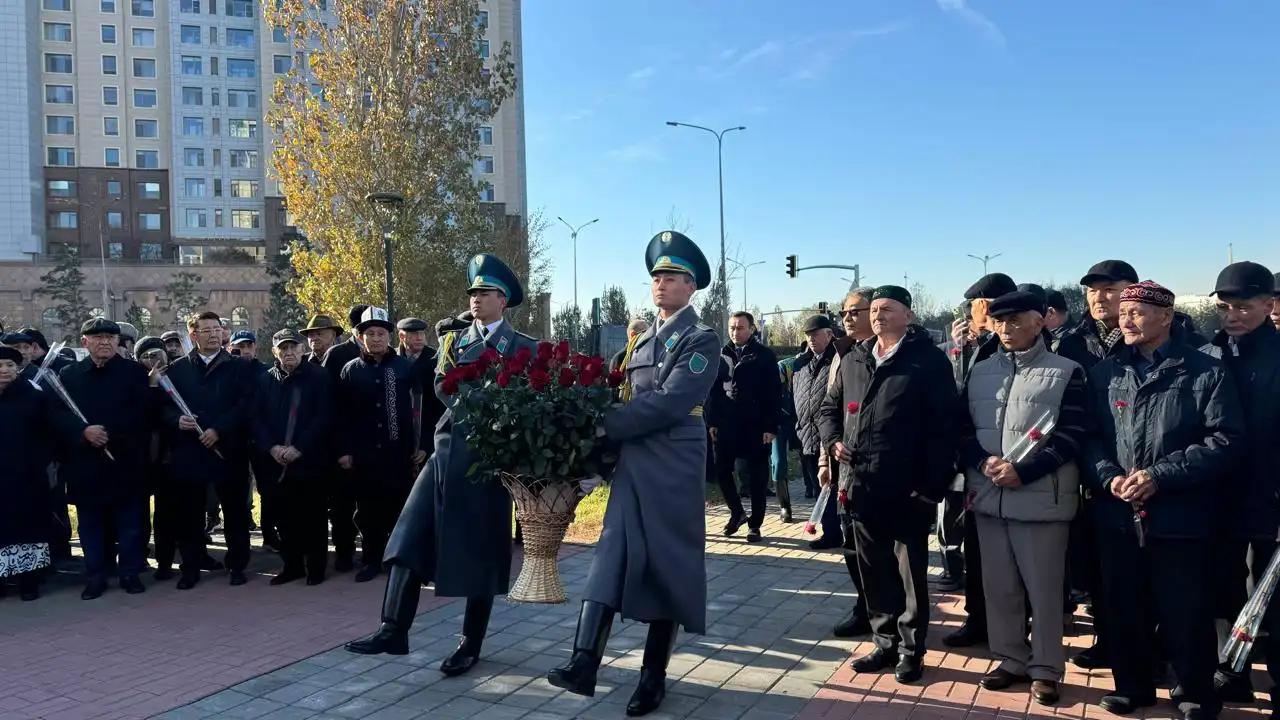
x=422, y=375
x=118, y=397
x=904, y=432
x=376, y=418
x=1082, y=344
x=752, y=396
x=337, y=357
x=1182, y=424
x=1251, y=495
x=313, y=419
x=219, y=394
x=31, y=423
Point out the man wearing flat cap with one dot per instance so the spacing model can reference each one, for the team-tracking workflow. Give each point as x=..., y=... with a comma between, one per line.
x=890, y=421
x=413, y=347
x=1170, y=432
x=103, y=467
x=321, y=334
x=172, y=340
x=455, y=530
x=1249, y=347
x=1023, y=505
x=809, y=388
x=291, y=426
x=649, y=564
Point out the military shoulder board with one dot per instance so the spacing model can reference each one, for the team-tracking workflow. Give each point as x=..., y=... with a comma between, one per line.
x=704, y=327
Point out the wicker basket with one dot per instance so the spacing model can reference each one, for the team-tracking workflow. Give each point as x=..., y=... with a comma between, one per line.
x=545, y=509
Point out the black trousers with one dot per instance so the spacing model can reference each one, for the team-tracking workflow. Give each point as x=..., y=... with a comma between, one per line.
x=59, y=517
x=975, y=599
x=378, y=506
x=757, y=467
x=1166, y=585
x=164, y=526
x=951, y=532
x=830, y=513
x=192, y=501
x=1238, y=567
x=1084, y=565
x=849, y=545
x=893, y=558
x=125, y=515
x=298, y=505
x=342, y=511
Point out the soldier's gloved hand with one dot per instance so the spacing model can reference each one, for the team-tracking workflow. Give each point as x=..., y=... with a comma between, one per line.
x=586, y=485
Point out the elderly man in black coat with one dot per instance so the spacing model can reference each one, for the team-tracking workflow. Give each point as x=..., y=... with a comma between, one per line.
x=291, y=423
x=210, y=448
x=342, y=500
x=427, y=408
x=103, y=468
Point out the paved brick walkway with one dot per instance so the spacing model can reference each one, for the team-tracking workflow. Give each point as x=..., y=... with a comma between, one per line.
x=257, y=651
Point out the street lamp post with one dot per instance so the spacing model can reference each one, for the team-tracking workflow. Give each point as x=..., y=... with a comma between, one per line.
x=573, y=235
x=388, y=203
x=985, y=259
x=745, y=267
x=720, y=165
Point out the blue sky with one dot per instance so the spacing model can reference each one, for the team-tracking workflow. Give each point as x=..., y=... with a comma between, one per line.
x=902, y=135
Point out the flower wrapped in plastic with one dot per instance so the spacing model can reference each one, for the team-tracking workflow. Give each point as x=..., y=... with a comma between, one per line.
x=533, y=422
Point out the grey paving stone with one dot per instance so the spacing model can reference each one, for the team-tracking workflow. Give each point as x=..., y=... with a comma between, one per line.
x=290, y=694
x=255, y=708
x=358, y=685
x=391, y=692
x=221, y=702
x=395, y=712
x=295, y=672
x=187, y=712
x=359, y=707
x=290, y=713
x=323, y=700
x=390, y=671
x=425, y=700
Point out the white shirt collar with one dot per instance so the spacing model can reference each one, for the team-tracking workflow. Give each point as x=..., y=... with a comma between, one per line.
x=491, y=328
x=881, y=357
x=209, y=358
x=659, y=321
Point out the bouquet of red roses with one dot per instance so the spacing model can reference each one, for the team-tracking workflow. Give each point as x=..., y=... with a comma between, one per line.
x=534, y=415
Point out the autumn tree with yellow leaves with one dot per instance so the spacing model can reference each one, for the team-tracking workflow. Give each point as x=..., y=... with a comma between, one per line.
x=385, y=96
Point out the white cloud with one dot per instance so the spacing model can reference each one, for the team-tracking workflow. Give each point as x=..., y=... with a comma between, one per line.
x=643, y=73
x=961, y=10
x=644, y=150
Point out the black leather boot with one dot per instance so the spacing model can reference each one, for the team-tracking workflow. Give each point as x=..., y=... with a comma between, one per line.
x=658, y=647
x=475, y=624
x=399, y=607
x=579, y=676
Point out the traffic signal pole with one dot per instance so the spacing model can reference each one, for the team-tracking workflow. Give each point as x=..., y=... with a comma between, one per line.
x=794, y=269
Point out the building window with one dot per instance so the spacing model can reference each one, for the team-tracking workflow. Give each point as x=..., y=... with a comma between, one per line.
x=108, y=34
x=192, y=96
x=109, y=65
x=193, y=157
x=196, y=218
x=149, y=251
x=192, y=126
x=217, y=187
x=483, y=107
x=244, y=219
x=189, y=6
x=60, y=125
x=241, y=68
x=217, y=157
x=144, y=98
x=61, y=188
x=144, y=37
x=115, y=251
x=244, y=158
x=107, y=6
x=278, y=36
x=239, y=38
x=148, y=221
x=486, y=193
x=147, y=159
x=146, y=129
x=148, y=191
x=485, y=164
x=111, y=126
x=57, y=32
x=193, y=188
x=482, y=19
x=213, y=35
x=217, y=217
x=114, y=188
x=144, y=67
x=111, y=157
x=63, y=220
x=213, y=97
x=213, y=65
x=240, y=8
x=144, y=8
x=190, y=34
x=484, y=48
x=110, y=95
x=244, y=188
x=242, y=98
x=281, y=63
x=61, y=157
x=59, y=94
x=486, y=135
x=244, y=129
x=60, y=5
x=192, y=65
x=57, y=63
x=115, y=220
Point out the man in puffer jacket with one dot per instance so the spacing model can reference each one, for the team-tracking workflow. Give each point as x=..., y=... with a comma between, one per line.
x=1026, y=425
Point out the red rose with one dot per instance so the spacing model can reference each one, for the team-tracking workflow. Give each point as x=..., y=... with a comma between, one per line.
x=545, y=349
x=843, y=496
x=504, y=379
x=1035, y=435
x=588, y=376
x=561, y=352
x=449, y=385
x=852, y=407
x=524, y=354
x=472, y=372
x=596, y=363
x=567, y=378
x=515, y=365
x=539, y=379
x=489, y=356
x=578, y=360
x=615, y=379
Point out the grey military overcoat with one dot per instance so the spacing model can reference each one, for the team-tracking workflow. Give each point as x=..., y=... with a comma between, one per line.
x=650, y=561
x=455, y=531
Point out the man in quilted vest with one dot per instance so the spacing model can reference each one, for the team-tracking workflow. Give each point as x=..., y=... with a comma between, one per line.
x=1027, y=423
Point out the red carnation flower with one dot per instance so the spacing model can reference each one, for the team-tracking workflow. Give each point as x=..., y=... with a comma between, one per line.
x=489, y=356
x=1035, y=435
x=955, y=352
x=852, y=407
x=545, y=349
x=567, y=378
x=1121, y=404
x=615, y=379
x=561, y=352
x=504, y=379
x=843, y=496
x=539, y=379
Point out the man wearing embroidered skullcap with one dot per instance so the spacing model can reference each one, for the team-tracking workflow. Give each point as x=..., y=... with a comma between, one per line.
x=895, y=440
x=1169, y=433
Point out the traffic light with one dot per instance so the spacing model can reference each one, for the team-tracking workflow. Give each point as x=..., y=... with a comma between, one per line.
x=822, y=308
x=793, y=265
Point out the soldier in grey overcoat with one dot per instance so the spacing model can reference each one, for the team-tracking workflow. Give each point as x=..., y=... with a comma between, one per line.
x=649, y=564
x=455, y=530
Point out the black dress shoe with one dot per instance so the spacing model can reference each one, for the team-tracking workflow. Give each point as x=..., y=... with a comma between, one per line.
x=94, y=590
x=367, y=573
x=950, y=585
x=649, y=694
x=735, y=523
x=824, y=543
x=343, y=564
x=132, y=585
x=188, y=581
x=387, y=641
x=855, y=624
x=1233, y=688
x=462, y=660
x=785, y=515
x=753, y=535
x=877, y=660
x=967, y=636
x=1123, y=705
x=163, y=573
x=1001, y=679
x=1092, y=658
x=238, y=578
x=211, y=565
x=1045, y=692
x=909, y=669
x=287, y=575
x=314, y=579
